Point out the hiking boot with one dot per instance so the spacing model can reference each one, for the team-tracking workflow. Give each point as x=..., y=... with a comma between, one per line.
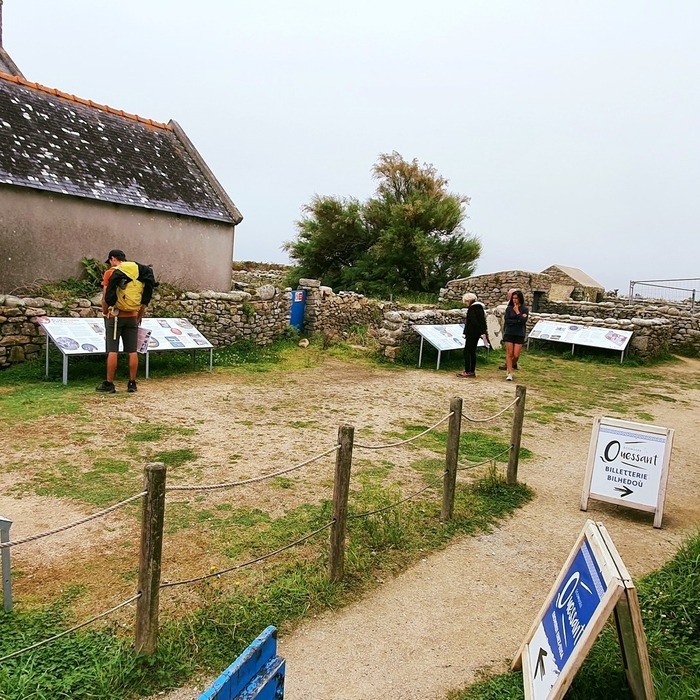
x=131, y=386
x=106, y=388
x=509, y=378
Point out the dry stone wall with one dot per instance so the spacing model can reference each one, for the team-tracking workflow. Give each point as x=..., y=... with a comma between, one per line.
x=227, y=317
x=327, y=312
x=223, y=317
x=684, y=325
x=651, y=336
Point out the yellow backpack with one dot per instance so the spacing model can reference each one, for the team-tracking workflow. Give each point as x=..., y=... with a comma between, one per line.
x=129, y=291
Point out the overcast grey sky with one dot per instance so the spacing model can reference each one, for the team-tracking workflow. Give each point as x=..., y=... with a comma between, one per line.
x=573, y=126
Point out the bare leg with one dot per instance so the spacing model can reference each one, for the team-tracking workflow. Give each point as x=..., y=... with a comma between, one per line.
x=509, y=358
x=133, y=365
x=516, y=352
x=111, y=365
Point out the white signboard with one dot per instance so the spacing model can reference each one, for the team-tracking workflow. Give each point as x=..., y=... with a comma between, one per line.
x=83, y=336
x=445, y=337
x=576, y=334
x=628, y=465
x=592, y=584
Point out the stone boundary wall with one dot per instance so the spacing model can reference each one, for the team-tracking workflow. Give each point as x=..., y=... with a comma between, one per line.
x=685, y=326
x=227, y=317
x=327, y=312
x=492, y=289
x=223, y=317
x=651, y=336
x=254, y=278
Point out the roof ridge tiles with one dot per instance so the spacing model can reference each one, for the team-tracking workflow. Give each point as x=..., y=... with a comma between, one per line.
x=80, y=100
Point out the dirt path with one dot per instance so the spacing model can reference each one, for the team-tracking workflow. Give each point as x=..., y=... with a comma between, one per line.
x=456, y=612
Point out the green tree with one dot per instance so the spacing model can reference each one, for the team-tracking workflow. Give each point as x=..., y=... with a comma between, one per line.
x=409, y=237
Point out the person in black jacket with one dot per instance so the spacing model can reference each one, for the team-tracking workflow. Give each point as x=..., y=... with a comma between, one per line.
x=474, y=328
x=514, y=331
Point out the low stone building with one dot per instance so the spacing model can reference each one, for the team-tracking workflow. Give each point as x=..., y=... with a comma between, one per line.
x=557, y=282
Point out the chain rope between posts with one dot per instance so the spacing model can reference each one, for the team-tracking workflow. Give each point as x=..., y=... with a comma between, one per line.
x=403, y=442
x=171, y=584
x=500, y=413
x=230, y=484
x=99, y=514
x=486, y=461
x=72, y=629
x=398, y=503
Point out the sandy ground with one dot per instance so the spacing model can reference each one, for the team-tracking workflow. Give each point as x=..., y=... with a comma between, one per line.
x=457, y=612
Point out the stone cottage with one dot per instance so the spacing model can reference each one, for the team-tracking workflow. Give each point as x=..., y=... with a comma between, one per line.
x=79, y=178
x=556, y=283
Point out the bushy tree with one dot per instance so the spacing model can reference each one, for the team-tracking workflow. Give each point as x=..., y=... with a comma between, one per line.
x=409, y=237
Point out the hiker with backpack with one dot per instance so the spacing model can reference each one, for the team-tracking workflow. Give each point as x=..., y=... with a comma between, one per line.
x=127, y=288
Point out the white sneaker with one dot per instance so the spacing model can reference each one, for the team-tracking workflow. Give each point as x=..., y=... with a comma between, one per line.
x=509, y=378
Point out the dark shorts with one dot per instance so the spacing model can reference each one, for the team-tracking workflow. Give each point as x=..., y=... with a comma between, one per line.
x=515, y=339
x=127, y=330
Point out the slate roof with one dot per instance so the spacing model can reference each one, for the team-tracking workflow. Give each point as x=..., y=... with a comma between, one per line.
x=57, y=142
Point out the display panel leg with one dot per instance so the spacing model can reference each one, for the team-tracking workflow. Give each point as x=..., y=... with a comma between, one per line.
x=147, y=363
x=65, y=369
x=420, y=352
x=211, y=359
x=438, y=362
x=47, y=355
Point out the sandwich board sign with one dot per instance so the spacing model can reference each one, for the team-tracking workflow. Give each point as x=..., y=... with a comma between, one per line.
x=592, y=585
x=628, y=465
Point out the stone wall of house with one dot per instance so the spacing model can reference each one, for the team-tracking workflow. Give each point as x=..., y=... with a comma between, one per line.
x=492, y=289
x=223, y=318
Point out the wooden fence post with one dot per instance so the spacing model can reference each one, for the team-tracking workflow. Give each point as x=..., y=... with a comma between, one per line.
x=515, y=435
x=454, y=428
x=341, y=488
x=150, y=558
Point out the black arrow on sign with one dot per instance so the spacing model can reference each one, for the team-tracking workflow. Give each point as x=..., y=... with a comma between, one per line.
x=539, y=666
x=625, y=491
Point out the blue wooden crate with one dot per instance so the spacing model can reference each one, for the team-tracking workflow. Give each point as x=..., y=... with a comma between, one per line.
x=257, y=674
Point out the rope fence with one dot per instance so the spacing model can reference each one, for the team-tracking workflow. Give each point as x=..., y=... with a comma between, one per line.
x=404, y=442
x=71, y=630
x=154, y=497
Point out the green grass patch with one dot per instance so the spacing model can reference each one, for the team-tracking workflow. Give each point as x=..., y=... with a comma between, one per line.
x=26, y=402
x=108, y=481
x=174, y=458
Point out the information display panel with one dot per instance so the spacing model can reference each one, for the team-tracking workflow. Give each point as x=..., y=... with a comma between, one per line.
x=576, y=334
x=86, y=336
x=443, y=337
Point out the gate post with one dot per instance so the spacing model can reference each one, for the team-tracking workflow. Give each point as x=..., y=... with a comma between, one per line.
x=515, y=436
x=5, y=525
x=150, y=559
x=454, y=428
x=341, y=489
